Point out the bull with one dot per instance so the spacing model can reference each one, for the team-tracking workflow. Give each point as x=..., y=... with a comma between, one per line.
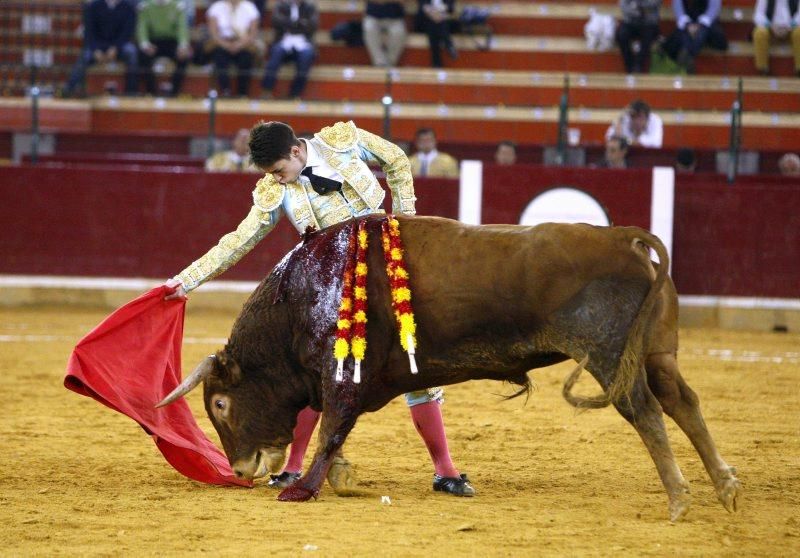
x=491, y=302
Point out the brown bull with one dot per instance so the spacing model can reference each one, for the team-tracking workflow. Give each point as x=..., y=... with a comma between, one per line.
x=491, y=302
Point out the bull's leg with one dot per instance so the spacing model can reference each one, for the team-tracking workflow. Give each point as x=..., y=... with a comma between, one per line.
x=682, y=405
x=338, y=418
x=644, y=413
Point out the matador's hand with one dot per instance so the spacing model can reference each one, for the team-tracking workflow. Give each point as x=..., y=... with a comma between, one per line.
x=179, y=291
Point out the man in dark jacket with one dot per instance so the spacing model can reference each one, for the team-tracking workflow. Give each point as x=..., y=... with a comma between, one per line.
x=697, y=25
x=639, y=22
x=108, y=27
x=294, y=22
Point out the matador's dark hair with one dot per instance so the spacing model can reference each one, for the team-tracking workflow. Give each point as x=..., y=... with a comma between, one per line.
x=270, y=142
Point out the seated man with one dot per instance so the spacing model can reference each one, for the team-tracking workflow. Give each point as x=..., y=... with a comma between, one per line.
x=697, y=25
x=639, y=126
x=789, y=164
x=295, y=22
x=233, y=25
x=506, y=153
x=685, y=161
x=779, y=19
x=385, y=31
x=434, y=18
x=108, y=28
x=236, y=159
x=639, y=22
x=616, y=154
x=162, y=30
x=428, y=161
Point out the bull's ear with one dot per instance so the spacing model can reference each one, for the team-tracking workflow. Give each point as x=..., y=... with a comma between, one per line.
x=227, y=369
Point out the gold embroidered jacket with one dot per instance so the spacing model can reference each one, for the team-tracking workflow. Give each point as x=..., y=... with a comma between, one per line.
x=348, y=150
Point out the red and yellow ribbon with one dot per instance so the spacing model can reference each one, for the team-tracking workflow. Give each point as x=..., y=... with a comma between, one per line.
x=341, y=347
x=401, y=293
x=351, y=325
x=358, y=343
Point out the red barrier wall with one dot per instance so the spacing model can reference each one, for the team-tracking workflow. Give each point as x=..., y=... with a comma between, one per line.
x=739, y=240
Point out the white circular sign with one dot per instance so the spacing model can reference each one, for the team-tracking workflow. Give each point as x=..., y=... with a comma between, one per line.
x=564, y=205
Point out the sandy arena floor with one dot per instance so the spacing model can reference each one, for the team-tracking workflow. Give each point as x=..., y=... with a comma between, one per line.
x=81, y=479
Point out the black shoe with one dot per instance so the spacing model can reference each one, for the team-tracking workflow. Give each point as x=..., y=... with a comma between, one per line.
x=457, y=486
x=284, y=479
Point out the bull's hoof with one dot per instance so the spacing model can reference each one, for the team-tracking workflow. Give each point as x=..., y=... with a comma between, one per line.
x=729, y=492
x=679, y=506
x=296, y=493
x=340, y=476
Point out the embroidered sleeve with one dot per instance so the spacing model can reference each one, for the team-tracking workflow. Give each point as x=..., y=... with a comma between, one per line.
x=397, y=168
x=230, y=248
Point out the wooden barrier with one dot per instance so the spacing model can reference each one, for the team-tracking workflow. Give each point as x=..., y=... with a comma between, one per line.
x=125, y=223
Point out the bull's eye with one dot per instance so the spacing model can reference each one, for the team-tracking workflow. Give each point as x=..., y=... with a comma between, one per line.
x=219, y=404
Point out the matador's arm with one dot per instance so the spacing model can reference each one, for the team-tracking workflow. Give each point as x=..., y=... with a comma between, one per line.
x=230, y=248
x=396, y=167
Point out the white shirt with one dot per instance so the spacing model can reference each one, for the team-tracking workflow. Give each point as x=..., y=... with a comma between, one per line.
x=425, y=160
x=653, y=135
x=233, y=22
x=318, y=164
x=780, y=15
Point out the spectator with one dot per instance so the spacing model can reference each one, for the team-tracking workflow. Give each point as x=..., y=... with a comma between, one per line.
x=385, y=31
x=616, y=154
x=638, y=125
x=236, y=159
x=685, y=161
x=697, y=25
x=189, y=9
x=434, y=17
x=428, y=161
x=108, y=28
x=162, y=30
x=233, y=25
x=506, y=153
x=295, y=22
x=639, y=22
x=789, y=164
x=779, y=19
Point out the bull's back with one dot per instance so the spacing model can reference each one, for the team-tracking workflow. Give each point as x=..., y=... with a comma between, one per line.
x=510, y=274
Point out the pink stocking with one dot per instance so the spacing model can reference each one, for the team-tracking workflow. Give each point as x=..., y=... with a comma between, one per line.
x=428, y=420
x=306, y=422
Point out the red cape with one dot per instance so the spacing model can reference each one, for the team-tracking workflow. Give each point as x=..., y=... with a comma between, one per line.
x=130, y=362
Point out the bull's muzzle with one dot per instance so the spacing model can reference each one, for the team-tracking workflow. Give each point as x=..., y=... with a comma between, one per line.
x=267, y=460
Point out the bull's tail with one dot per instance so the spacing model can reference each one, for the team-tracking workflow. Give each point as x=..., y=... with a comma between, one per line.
x=632, y=359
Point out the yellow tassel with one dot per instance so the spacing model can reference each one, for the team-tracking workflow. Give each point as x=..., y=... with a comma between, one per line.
x=341, y=348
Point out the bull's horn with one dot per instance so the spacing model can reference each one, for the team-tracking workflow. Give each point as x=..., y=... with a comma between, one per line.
x=190, y=382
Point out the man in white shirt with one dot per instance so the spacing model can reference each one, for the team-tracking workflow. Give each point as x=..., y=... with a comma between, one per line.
x=639, y=126
x=779, y=19
x=295, y=22
x=233, y=25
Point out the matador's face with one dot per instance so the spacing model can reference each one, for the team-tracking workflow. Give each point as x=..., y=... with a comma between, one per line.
x=289, y=168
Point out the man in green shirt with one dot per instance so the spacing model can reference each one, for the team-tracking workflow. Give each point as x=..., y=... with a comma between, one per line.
x=161, y=30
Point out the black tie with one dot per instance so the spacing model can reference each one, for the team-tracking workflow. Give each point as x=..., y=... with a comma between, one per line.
x=321, y=184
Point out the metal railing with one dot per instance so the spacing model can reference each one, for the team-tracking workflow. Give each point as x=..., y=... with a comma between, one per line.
x=735, y=140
